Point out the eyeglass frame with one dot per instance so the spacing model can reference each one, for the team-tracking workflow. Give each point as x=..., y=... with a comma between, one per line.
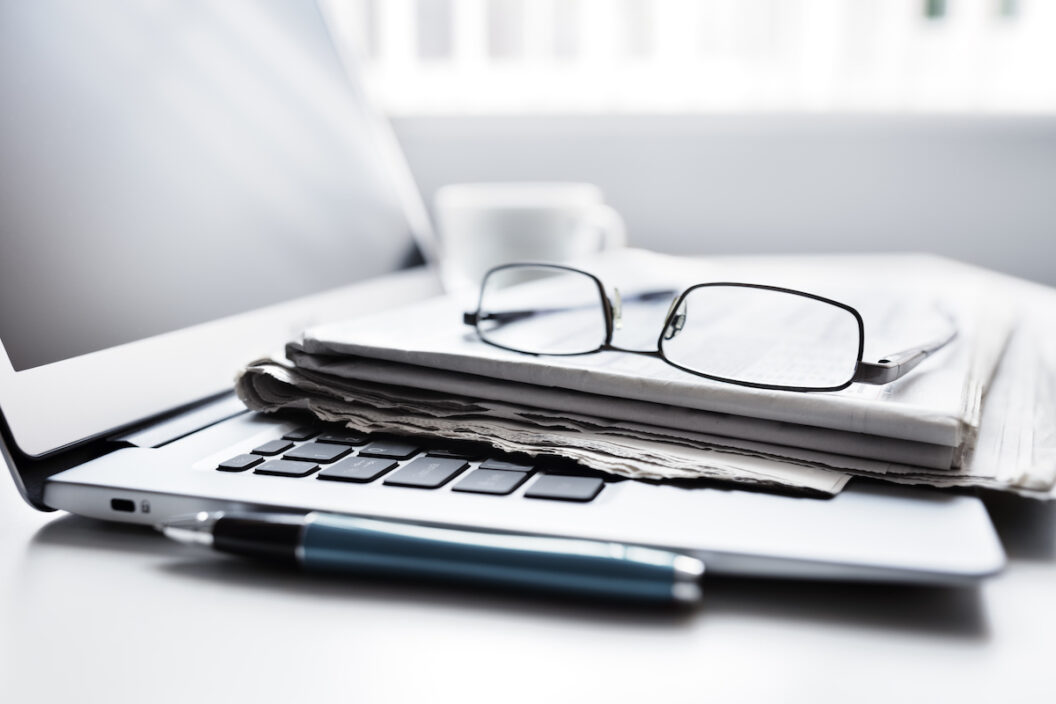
x=888, y=369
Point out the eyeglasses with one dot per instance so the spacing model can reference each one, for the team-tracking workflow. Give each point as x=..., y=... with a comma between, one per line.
x=764, y=337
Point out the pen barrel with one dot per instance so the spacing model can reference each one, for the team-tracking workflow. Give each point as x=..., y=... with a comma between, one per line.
x=558, y=565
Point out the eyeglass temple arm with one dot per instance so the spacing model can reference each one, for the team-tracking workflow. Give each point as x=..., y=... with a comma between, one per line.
x=512, y=316
x=896, y=366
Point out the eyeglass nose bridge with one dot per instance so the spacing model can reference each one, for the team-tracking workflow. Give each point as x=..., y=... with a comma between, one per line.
x=675, y=319
x=616, y=305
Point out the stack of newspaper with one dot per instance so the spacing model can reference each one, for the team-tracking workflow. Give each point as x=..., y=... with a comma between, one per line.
x=976, y=414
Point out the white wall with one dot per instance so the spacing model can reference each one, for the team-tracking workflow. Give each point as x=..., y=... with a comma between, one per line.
x=982, y=189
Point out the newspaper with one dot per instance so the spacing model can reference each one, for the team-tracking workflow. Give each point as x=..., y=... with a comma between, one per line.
x=1016, y=449
x=673, y=421
x=904, y=301
x=633, y=451
x=646, y=439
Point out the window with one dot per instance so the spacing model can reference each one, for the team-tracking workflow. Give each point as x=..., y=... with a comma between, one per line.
x=540, y=56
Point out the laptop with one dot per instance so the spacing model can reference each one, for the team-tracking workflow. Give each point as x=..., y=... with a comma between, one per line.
x=184, y=186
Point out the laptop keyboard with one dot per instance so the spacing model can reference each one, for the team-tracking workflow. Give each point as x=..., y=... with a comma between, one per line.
x=340, y=455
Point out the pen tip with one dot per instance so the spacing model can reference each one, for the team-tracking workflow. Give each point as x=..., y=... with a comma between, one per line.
x=688, y=572
x=194, y=529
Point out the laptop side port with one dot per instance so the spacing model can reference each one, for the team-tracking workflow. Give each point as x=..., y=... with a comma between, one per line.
x=125, y=505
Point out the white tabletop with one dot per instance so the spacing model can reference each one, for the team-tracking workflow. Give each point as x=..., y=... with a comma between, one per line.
x=104, y=612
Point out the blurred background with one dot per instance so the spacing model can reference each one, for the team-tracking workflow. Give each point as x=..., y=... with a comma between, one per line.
x=740, y=126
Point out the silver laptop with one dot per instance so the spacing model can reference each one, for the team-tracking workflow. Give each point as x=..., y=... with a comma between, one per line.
x=186, y=185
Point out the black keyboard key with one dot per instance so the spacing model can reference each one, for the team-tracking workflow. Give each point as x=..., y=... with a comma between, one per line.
x=507, y=466
x=552, y=465
x=270, y=449
x=427, y=472
x=302, y=433
x=318, y=452
x=343, y=437
x=240, y=463
x=461, y=450
x=286, y=468
x=563, y=488
x=491, y=481
x=392, y=449
x=357, y=469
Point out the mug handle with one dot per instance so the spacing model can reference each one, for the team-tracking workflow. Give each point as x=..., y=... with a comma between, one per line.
x=603, y=218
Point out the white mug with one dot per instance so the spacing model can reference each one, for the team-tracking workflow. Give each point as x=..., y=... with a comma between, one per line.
x=483, y=225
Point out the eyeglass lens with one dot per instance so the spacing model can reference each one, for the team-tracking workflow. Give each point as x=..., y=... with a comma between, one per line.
x=542, y=310
x=762, y=336
x=736, y=333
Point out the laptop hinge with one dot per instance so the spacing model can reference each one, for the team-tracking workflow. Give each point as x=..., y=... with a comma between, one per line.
x=179, y=426
x=30, y=473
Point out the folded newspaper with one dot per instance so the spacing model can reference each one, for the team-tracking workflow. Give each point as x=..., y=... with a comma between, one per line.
x=418, y=370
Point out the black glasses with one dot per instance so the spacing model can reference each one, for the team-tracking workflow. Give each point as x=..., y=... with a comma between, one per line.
x=765, y=337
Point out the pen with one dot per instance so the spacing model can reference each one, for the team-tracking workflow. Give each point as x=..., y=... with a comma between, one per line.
x=368, y=546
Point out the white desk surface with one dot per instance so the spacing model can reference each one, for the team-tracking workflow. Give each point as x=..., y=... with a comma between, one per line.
x=103, y=612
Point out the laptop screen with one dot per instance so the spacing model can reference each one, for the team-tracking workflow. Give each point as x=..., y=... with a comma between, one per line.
x=172, y=162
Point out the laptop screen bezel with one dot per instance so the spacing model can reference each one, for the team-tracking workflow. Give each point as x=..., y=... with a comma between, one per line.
x=58, y=405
